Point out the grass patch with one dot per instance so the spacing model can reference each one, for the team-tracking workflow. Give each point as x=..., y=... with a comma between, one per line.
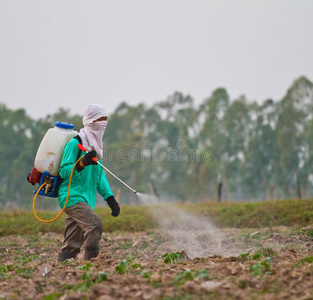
x=126, y=245
x=292, y=213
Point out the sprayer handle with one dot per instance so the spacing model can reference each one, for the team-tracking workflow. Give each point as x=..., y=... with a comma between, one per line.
x=81, y=147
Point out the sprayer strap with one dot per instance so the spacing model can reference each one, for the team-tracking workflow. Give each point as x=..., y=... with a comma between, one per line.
x=77, y=137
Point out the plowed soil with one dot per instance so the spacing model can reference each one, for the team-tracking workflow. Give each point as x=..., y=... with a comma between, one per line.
x=268, y=263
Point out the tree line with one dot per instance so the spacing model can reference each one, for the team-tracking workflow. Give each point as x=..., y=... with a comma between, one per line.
x=222, y=149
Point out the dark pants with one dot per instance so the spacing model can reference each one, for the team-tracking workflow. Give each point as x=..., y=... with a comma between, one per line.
x=82, y=227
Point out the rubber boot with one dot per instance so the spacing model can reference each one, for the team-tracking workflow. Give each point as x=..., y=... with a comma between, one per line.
x=91, y=253
x=66, y=255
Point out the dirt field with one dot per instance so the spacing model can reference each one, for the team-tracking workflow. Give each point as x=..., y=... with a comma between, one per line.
x=274, y=263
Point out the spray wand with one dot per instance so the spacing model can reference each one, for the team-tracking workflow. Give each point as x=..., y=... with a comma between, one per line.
x=81, y=147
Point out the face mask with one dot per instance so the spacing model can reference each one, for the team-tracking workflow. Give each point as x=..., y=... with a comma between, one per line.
x=98, y=126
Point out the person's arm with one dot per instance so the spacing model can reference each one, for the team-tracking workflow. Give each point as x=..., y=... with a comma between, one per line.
x=104, y=190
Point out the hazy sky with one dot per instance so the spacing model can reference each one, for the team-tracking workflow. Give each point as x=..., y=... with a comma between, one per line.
x=69, y=53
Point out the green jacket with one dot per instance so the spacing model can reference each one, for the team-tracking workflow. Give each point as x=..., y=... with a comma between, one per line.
x=84, y=184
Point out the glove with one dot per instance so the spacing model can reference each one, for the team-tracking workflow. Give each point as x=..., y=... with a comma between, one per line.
x=87, y=159
x=115, y=207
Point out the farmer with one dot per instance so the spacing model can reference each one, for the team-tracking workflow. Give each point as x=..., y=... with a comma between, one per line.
x=82, y=225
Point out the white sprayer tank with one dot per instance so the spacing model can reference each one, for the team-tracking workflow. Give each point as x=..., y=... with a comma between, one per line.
x=50, y=151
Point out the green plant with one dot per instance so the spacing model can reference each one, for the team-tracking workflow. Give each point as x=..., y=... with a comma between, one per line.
x=308, y=259
x=260, y=268
x=203, y=274
x=125, y=265
x=257, y=256
x=28, y=258
x=264, y=252
x=188, y=275
x=88, y=281
x=146, y=274
x=309, y=233
x=82, y=287
x=136, y=266
x=172, y=257
x=25, y=272
x=19, y=267
x=244, y=256
x=122, y=267
x=86, y=277
x=85, y=267
x=53, y=296
x=101, y=276
x=66, y=287
x=182, y=277
x=5, y=269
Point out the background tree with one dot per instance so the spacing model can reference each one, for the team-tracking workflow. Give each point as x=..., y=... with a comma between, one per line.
x=292, y=127
x=257, y=150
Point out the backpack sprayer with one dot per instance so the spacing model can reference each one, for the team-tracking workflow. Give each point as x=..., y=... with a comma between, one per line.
x=47, y=163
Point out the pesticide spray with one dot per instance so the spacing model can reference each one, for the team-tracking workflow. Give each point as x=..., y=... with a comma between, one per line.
x=194, y=234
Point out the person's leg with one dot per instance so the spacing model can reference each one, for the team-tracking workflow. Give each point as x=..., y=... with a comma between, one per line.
x=73, y=240
x=90, y=226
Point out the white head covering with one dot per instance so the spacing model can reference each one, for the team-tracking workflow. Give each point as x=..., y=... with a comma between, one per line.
x=92, y=133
